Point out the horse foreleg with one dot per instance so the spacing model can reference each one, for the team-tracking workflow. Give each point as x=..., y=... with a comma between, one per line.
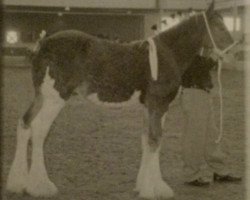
x=150, y=184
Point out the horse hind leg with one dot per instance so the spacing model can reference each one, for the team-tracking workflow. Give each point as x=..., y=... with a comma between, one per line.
x=18, y=174
x=150, y=184
x=35, y=125
x=17, y=178
x=38, y=182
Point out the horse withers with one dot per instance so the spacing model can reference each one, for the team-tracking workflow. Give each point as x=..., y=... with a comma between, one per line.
x=69, y=60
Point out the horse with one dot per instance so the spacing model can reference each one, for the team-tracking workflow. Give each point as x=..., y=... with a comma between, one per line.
x=69, y=60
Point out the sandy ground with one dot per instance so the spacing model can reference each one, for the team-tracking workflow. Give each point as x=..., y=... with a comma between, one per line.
x=93, y=153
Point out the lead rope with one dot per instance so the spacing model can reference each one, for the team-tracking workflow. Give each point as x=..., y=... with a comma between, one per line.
x=221, y=103
x=220, y=53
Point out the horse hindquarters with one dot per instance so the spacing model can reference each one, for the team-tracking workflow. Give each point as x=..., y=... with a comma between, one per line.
x=149, y=183
x=35, y=125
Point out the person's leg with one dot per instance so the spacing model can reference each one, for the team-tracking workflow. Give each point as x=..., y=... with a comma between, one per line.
x=214, y=155
x=195, y=109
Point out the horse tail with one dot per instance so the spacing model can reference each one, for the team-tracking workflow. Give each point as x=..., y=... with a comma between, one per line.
x=40, y=62
x=32, y=52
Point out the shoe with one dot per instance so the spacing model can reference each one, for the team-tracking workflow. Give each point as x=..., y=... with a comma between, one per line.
x=198, y=182
x=226, y=178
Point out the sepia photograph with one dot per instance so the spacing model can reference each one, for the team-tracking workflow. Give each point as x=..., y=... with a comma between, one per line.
x=125, y=100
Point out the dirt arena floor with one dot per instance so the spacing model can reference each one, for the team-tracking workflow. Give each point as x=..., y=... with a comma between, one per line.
x=93, y=153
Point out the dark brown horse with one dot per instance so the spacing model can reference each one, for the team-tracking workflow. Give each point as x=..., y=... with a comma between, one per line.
x=70, y=60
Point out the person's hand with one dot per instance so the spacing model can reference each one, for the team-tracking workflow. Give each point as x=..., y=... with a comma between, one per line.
x=216, y=55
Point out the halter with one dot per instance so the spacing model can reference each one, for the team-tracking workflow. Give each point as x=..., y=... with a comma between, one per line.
x=220, y=53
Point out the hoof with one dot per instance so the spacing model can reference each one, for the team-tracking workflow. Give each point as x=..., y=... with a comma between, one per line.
x=157, y=191
x=16, y=181
x=44, y=188
x=15, y=186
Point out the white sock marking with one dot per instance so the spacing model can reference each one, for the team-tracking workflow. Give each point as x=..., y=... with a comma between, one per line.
x=39, y=184
x=149, y=181
x=18, y=174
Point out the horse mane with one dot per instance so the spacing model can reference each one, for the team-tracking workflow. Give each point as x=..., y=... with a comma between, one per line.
x=182, y=30
x=184, y=40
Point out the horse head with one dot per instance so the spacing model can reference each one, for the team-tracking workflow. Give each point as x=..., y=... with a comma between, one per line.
x=217, y=35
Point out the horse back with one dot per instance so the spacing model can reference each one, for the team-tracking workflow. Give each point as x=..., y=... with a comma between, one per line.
x=109, y=68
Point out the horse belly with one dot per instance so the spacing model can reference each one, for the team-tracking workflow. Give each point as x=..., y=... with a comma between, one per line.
x=106, y=98
x=94, y=97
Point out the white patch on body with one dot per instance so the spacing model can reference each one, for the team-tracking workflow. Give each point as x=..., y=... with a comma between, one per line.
x=149, y=183
x=153, y=59
x=133, y=100
x=38, y=183
x=18, y=174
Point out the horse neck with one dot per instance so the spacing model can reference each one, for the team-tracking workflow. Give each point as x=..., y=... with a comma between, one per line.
x=184, y=40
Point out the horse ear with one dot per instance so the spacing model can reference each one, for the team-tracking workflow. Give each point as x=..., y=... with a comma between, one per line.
x=210, y=9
